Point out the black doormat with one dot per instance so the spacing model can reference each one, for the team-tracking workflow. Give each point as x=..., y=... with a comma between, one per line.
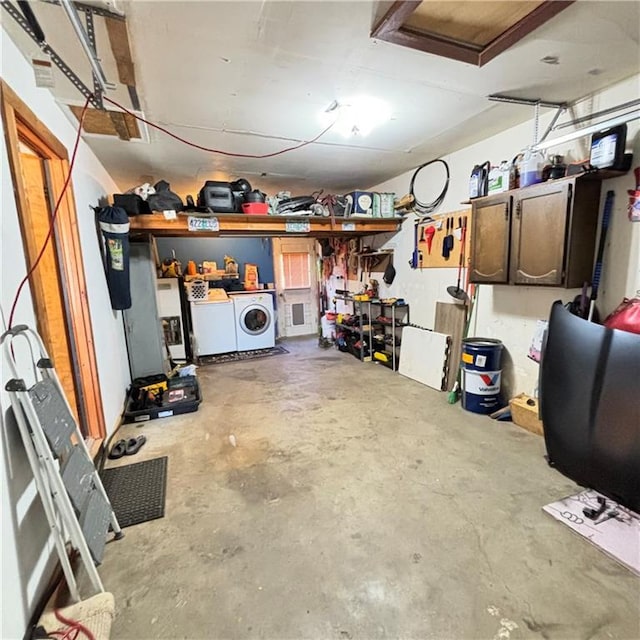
x=239, y=356
x=137, y=491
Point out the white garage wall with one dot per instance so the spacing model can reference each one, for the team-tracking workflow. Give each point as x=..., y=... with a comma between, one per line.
x=26, y=550
x=506, y=312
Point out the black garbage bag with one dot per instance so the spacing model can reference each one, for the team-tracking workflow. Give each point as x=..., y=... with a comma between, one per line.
x=164, y=199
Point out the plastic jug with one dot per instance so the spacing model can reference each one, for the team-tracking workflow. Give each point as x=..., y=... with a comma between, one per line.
x=479, y=180
x=499, y=178
x=530, y=167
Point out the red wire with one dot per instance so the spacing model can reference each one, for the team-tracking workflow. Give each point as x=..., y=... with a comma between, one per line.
x=218, y=151
x=74, y=626
x=53, y=216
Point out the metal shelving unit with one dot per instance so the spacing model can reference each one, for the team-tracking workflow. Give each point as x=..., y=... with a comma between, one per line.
x=363, y=331
x=367, y=332
x=395, y=324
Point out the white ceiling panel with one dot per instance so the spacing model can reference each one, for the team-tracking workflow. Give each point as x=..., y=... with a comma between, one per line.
x=254, y=76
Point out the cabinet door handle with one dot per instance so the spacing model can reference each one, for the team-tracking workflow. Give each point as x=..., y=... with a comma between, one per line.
x=543, y=275
x=518, y=209
x=487, y=275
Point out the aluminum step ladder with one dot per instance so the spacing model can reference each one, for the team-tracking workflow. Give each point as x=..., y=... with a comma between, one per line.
x=76, y=505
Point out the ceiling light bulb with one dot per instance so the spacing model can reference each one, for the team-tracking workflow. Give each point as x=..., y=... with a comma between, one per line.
x=356, y=116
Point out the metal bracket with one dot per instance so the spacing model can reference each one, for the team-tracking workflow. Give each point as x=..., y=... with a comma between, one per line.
x=91, y=35
x=526, y=102
x=552, y=124
x=99, y=11
x=57, y=60
x=536, y=104
x=15, y=385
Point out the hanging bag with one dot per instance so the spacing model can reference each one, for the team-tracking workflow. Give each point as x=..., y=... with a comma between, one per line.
x=626, y=317
x=114, y=225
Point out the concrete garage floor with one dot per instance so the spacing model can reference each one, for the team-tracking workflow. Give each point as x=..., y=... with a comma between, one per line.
x=357, y=504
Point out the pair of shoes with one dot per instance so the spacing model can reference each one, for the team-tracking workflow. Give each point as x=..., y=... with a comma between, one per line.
x=126, y=447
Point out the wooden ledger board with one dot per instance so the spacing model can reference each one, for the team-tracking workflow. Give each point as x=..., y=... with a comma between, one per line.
x=434, y=259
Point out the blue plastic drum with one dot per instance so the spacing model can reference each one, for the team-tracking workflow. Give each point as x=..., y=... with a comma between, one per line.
x=481, y=374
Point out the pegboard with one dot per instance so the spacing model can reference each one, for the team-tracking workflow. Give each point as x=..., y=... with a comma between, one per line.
x=434, y=259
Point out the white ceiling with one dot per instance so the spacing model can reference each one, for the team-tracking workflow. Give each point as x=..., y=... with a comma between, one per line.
x=253, y=77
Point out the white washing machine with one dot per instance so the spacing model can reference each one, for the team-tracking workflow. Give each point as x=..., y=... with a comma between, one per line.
x=214, y=327
x=255, y=320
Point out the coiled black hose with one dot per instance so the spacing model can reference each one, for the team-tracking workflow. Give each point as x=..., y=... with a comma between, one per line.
x=426, y=208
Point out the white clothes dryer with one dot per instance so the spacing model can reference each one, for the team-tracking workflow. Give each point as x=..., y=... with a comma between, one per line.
x=255, y=320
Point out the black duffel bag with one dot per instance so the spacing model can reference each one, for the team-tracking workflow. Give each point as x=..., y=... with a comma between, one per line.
x=164, y=199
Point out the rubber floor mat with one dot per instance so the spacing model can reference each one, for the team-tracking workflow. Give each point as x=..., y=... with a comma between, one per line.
x=239, y=356
x=137, y=491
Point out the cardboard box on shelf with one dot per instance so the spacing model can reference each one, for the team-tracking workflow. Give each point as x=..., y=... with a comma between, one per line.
x=250, y=276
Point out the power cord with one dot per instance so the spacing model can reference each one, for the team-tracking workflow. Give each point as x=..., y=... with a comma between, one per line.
x=218, y=151
x=427, y=208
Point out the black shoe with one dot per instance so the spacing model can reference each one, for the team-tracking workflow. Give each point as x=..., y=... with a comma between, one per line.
x=118, y=450
x=133, y=445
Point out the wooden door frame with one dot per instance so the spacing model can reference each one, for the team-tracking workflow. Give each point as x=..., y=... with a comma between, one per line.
x=20, y=122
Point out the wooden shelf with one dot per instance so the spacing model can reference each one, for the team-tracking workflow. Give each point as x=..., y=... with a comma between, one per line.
x=385, y=252
x=230, y=224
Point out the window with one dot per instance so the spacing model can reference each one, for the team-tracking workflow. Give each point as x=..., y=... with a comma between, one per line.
x=295, y=270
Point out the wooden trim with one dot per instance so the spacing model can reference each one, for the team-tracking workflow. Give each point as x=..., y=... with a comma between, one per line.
x=42, y=139
x=524, y=27
x=391, y=28
x=395, y=17
x=19, y=121
x=262, y=226
x=434, y=45
x=95, y=447
x=79, y=313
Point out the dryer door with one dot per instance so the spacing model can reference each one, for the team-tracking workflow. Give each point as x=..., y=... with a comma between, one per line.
x=255, y=320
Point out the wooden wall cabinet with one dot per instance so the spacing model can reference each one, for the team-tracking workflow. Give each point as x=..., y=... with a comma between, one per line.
x=539, y=235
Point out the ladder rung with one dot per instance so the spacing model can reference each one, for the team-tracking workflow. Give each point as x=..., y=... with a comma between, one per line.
x=94, y=522
x=77, y=476
x=57, y=423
